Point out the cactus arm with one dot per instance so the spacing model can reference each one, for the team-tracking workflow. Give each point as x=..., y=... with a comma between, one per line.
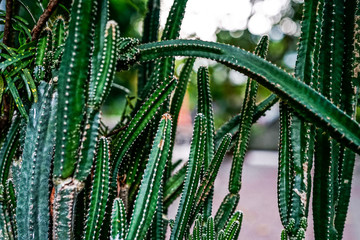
x=98, y=90
x=59, y=33
x=208, y=180
x=99, y=192
x=245, y=123
x=285, y=164
x=192, y=178
x=137, y=125
x=210, y=229
x=150, y=185
x=304, y=99
x=72, y=81
x=205, y=107
x=118, y=220
x=225, y=211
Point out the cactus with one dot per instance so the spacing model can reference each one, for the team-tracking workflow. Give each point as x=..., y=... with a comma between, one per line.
x=63, y=175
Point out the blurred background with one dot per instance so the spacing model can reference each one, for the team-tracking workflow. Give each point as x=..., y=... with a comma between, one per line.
x=240, y=23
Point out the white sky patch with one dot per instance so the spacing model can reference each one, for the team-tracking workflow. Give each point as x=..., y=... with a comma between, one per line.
x=204, y=17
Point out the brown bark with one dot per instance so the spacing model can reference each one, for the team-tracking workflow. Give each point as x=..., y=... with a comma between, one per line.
x=35, y=33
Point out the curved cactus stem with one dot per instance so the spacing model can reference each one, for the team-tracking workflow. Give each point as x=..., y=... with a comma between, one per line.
x=149, y=190
x=192, y=178
x=119, y=224
x=303, y=98
x=225, y=211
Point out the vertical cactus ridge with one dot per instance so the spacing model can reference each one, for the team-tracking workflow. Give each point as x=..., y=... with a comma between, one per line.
x=59, y=32
x=245, y=123
x=97, y=92
x=43, y=58
x=305, y=100
x=158, y=230
x=210, y=229
x=138, y=123
x=149, y=190
x=205, y=107
x=150, y=34
x=304, y=63
x=164, y=68
x=178, y=97
x=33, y=188
x=297, y=135
x=284, y=183
x=233, y=226
x=99, y=192
x=118, y=220
x=348, y=104
x=72, y=78
x=100, y=29
x=196, y=156
x=207, y=182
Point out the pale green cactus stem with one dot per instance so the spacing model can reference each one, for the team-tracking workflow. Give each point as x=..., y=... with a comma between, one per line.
x=32, y=212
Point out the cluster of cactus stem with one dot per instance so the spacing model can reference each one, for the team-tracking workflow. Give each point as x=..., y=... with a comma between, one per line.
x=63, y=177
